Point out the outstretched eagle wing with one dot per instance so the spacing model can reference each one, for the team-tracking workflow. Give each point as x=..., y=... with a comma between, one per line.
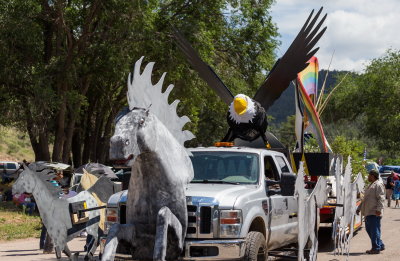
x=292, y=62
x=204, y=70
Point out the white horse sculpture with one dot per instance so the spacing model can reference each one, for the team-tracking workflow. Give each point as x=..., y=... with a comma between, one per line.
x=343, y=225
x=151, y=135
x=54, y=210
x=308, y=213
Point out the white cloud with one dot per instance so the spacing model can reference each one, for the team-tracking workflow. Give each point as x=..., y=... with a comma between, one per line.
x=358, y=30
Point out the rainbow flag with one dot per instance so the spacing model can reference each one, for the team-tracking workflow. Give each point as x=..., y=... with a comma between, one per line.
x=307, y=85
x=313, y=118
x=309, y=78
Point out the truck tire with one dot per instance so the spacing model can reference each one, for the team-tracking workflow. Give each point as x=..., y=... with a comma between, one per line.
x=256, y=247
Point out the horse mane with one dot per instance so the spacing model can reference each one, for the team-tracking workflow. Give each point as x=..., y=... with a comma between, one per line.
x=143, y=94
x=359, y=182
x=44, y=175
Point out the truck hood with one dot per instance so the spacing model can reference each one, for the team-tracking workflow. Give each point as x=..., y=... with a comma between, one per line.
x=223, y=194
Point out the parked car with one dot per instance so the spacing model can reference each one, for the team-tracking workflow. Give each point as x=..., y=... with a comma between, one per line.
x=8, y=171
x=8, y=167
x=385, y=171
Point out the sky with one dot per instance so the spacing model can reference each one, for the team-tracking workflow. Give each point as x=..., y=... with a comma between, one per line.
x=358, y=30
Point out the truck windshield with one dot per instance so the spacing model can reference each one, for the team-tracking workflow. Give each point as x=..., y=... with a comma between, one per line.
x=225, y=167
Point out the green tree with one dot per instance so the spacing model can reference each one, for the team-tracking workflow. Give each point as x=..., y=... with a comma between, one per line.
x=285, y=132
x=64, y=64
x=371, y=100
x=352, y=148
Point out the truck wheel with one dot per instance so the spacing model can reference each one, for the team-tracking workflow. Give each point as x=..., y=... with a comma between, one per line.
x=256, y=247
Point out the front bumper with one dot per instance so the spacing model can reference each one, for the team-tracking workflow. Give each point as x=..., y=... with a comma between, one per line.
x=214, y=249
x=231, y=249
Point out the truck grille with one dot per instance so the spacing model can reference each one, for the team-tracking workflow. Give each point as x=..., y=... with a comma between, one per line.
x=192, y=220
x=201, y=223
x=200, y=217
x=122, y=214
x=205, y=220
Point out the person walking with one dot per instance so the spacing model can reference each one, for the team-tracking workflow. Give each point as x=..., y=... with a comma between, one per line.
x=372, y=208
x=390, y=186
x=396, y=192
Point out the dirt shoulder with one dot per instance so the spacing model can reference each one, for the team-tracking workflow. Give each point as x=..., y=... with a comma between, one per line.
x=28, y=250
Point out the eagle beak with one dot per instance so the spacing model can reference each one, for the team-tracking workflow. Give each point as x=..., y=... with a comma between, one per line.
x=240, y=105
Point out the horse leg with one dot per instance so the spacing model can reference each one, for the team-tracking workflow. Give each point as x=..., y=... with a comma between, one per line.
x=68, y=253
x=58, y=252
x=314, y=246
x=117, y=232
x=165, y=219
x=94, y=243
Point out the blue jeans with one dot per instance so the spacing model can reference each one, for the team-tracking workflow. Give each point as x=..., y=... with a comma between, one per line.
x=373, y=227
x=30, y=206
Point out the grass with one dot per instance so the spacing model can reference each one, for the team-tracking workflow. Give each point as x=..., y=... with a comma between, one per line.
x=15, y=145
x=16, y=225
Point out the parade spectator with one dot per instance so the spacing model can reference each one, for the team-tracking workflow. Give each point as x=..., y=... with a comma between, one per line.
x=25, y=200
x=15, y=198
x=7, y=196
x=60, y=178
x=396, y=192
x=389, y=187
x=67, y=193
x=372, y=208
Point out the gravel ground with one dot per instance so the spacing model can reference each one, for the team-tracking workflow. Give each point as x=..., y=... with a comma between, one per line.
x=27, y=249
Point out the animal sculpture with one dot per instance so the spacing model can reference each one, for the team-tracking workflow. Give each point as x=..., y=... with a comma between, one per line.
x=282, y=73
x=150, y=136
x=307, y=213
x=343, y=225
x=247, y=120
x=54, y=210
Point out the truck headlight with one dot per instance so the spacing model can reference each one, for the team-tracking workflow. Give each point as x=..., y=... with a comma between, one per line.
x=111, y=218
x=230, y=223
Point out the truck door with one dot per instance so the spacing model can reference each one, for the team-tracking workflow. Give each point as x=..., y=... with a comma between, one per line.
x=292, y=202
x=279, y=214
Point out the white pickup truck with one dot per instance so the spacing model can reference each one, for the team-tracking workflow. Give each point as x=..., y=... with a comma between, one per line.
x=240, y=205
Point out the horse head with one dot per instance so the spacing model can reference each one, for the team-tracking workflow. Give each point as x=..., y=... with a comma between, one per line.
x=135, y=133
x=149, y=117
x=25, y=182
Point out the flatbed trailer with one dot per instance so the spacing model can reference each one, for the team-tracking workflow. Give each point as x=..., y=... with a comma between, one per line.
x=327, y=215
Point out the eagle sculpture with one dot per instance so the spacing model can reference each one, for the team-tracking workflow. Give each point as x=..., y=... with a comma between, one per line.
x=246, y=116
x=247, y=119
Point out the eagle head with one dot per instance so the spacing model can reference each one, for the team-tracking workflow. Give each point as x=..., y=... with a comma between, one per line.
x=242, y=109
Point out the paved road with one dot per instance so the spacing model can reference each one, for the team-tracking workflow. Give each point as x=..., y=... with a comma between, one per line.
x=27, y=250
x=361, y=242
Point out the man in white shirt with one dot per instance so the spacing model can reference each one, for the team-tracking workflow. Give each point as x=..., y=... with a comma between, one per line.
x=372, y=208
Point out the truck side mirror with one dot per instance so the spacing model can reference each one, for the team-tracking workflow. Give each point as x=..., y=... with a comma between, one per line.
x=269, y=182
x=288, y=181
